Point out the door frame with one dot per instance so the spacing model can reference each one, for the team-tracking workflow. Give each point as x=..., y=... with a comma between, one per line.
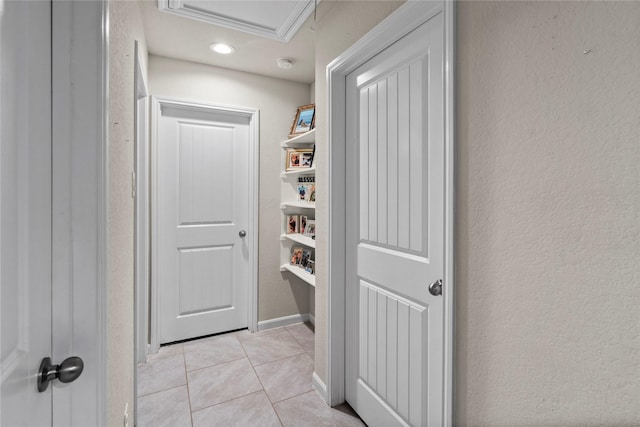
x=253, y=115
x=140, y=193
x=405, y=19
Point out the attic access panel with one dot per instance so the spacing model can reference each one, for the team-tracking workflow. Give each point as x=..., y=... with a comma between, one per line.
x=273, y=19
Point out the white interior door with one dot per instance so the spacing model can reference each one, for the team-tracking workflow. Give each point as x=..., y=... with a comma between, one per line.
x=395, y=224
x=51, y=205
x=25, y=214
x=203, y=222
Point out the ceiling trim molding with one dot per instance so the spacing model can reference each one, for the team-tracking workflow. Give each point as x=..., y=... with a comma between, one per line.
x=288, y=27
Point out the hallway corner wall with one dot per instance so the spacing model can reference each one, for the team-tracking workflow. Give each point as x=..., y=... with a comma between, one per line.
x=125, y=27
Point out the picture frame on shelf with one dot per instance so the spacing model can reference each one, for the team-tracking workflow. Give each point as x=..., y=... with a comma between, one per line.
x=304, y=121
x=302, y=224
x=311, y=193
x=313, y=154
x=310, y=267
x=302, y=190
x=296, y=255
x=310, y=228
x=293, y=225
x=306, y=159
x=296, y=158
x=306, y=257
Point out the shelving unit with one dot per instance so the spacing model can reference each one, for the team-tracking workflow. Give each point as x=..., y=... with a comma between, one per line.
x=291, y=205
x=309, y=278
x=299, y=238
x=298, y=204
x=303, y=140
x=310, y=171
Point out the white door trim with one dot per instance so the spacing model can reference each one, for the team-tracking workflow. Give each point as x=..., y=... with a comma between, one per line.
x=253, y=115
x=406, y=18
x=141, y=198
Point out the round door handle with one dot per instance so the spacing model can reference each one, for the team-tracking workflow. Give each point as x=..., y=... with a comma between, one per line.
x=435, y=288
x=69, y=370
x=242, y=233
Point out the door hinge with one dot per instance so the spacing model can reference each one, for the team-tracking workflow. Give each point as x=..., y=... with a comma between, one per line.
x=133, y=185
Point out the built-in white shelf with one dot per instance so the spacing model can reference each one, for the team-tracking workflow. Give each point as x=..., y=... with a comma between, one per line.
x=299, y=272
x=293, y=206
x=298, y=204
x=304, y=139
x=297, y=172
x=299, y=238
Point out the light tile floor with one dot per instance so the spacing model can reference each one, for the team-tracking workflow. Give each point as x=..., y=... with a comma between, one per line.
x=237, y=379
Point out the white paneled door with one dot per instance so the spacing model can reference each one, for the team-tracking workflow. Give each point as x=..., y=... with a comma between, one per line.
x=51, y=210
x=395, y=224
x=202, y=219
x=25, y=256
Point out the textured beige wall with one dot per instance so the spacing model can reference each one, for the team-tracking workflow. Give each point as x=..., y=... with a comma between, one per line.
x=548, y=214
x=339, y=25
x=279, y=294
x=125, y=28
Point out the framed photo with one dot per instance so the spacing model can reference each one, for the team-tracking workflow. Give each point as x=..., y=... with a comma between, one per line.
x=311, y=193
x=306, y=257
x=292, y=224
x=298, y=158
x=307, y=159
x=310, y=267
x=313, y=155
x=296, y=255
x=310, y=228
x=304, y=121
x=303, y=191
x=303, y=223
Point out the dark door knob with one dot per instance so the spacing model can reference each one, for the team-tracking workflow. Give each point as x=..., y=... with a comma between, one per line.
x=69, y=370
x=435, y=288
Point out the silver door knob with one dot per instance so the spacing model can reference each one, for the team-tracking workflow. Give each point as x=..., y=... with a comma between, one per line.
x=242, y=233
x=435, y=288
x=66, y=372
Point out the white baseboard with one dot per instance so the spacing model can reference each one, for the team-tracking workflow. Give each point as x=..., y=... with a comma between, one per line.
x=283, y=321
x=319, y=386
x=312, y=319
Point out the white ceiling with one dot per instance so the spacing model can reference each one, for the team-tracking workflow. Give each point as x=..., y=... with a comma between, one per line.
x=188, y=38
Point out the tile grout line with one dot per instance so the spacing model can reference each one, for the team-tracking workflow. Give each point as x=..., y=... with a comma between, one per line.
x=282, y=358
x=231, y=361
x=297, y=395
x=218, y=364
x=186, y=376
x=261, y=383
x=159, y=391
x=149, y=363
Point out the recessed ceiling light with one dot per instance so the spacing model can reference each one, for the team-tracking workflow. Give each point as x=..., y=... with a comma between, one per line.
x=222, y=48
x=285, y=63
